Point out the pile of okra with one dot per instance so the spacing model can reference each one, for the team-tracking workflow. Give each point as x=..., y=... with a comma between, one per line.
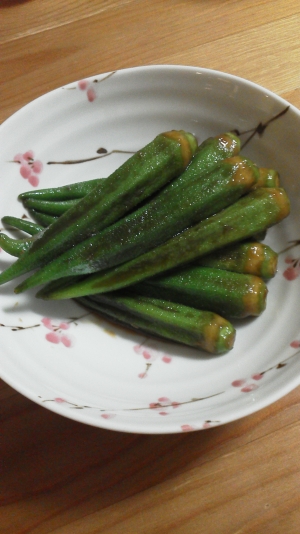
x=170, y=244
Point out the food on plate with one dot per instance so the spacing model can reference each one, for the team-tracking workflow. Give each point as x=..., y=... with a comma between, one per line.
x=224, y=292
x=65, y=192
x=195, y=195
x=248, y=257
x=139, y=177
x=254, y=212
x=168, y=244
x=197, y=328
x=267, y=178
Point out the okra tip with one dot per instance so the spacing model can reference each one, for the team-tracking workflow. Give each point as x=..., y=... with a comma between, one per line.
x=267, y=178
x=187, y=141
x=245, y=171
x=260, y=260
x=230, y=141
x=219, y=335
x=281, y=198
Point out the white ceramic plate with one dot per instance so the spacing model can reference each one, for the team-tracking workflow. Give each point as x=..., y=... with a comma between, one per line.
x=89, y=370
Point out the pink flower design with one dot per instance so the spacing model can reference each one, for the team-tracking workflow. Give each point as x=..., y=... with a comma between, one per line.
x=187, y=428
x=91, y=94
x=293, y=271
x=257, y=376
x=29, y=167
x=295, y=344
x=244, y=385
x=150, y=355
x=210, y=424
x=59, y=400
x=145, y=373
x=108, y=415
x=238, y=383
x=207, y=424
x=165, y=403
x=249, y=387
x=56, y=334
x=85, y=85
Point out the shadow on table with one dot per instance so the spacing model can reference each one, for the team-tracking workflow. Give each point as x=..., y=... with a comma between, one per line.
x=43, y=452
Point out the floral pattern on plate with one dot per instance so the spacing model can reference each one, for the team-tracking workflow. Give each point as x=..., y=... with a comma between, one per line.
x=88, y=86
x=30, y=168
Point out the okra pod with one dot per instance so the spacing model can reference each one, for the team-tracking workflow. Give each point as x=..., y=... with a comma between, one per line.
x=66, y=192
x=58, y=198
x=138, y=178
x=49, y=207
x=248, y=258
x=251, y=214
x=22, y=224
x=226, y=293
x=56, y=207
x=182, y=324
x=267, y=178
x=15, y=247
x=44, y=219
x=173, y=210
x=129, y=230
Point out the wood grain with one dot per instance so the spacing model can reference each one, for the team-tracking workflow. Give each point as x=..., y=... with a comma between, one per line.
x=234, y=39
x=59, y=476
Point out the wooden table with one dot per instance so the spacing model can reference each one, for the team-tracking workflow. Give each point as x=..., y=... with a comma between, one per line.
x=63, y=477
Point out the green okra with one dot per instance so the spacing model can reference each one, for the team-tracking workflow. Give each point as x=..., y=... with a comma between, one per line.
x=58, y=198
x=48, y=200
x=267, y=178
x=226, y=293
x=49, y=207
x=44, y=219
x=22, y=224
x=73, y=191
x=156, y=217
x=207, y=157
x=253, y=213
x=139, y=177
x=173, y=210
x=15, y=247
x=260, y=236
x=250, y=257
x=182, y=324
